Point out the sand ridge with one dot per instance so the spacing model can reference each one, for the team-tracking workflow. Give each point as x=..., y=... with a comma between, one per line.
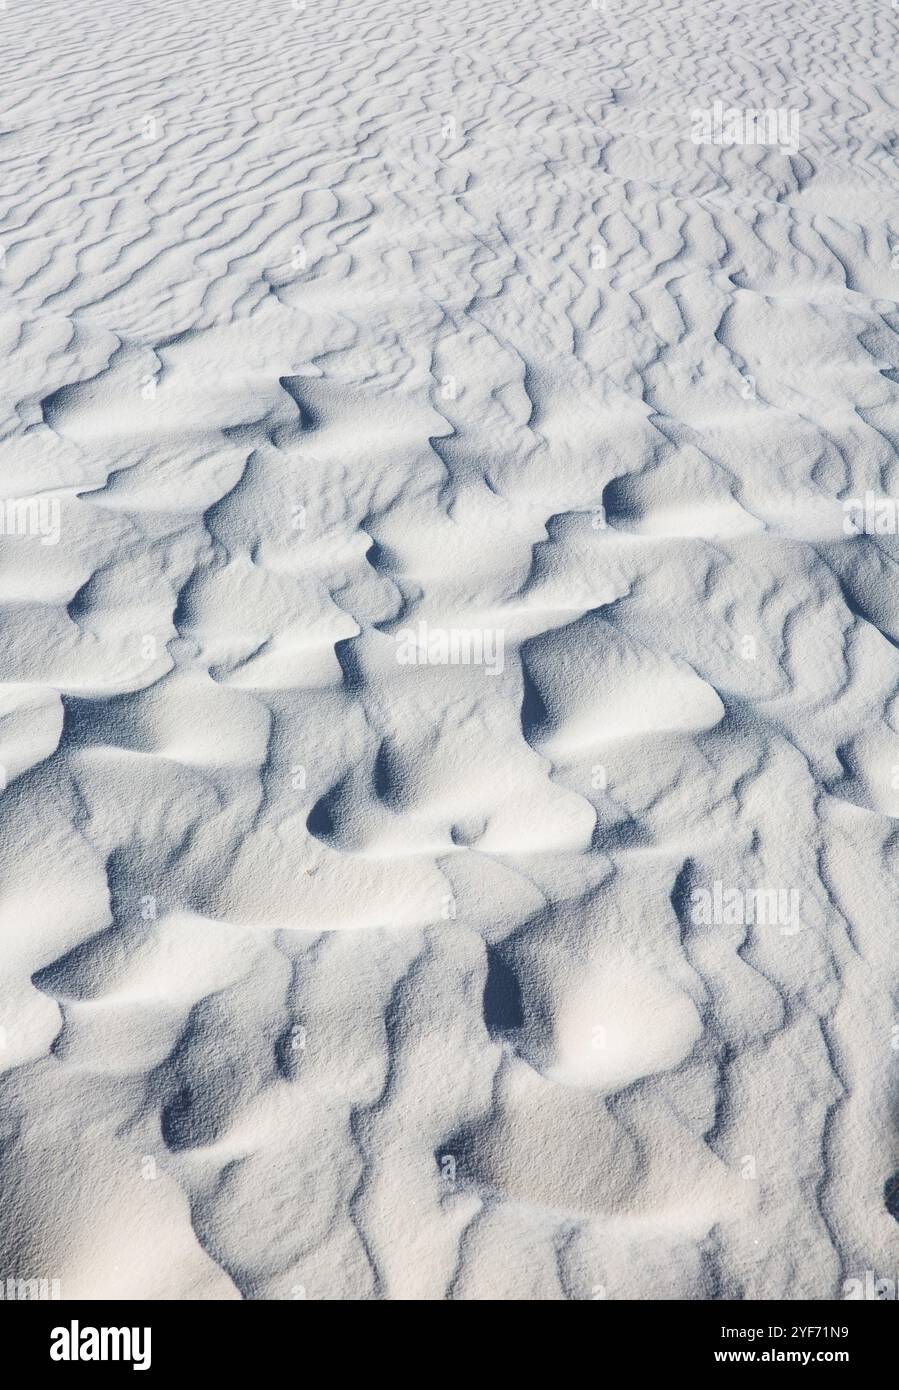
x=331, y=974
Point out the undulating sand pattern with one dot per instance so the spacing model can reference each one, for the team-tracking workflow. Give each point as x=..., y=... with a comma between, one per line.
x=450, y=614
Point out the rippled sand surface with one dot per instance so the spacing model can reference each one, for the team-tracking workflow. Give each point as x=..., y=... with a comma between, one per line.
x=448, y=681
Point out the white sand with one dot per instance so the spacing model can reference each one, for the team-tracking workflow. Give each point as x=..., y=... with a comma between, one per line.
x=337, y=975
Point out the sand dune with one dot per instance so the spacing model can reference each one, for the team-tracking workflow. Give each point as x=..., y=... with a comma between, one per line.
x=449, y=732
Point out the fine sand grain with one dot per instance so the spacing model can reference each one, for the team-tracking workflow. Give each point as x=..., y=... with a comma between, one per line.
x=448, y=657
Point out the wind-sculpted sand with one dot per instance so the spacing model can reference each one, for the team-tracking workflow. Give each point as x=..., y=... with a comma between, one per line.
x=450, y=732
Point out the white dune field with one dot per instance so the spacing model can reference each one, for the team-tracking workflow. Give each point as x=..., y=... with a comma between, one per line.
x=449, y=686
